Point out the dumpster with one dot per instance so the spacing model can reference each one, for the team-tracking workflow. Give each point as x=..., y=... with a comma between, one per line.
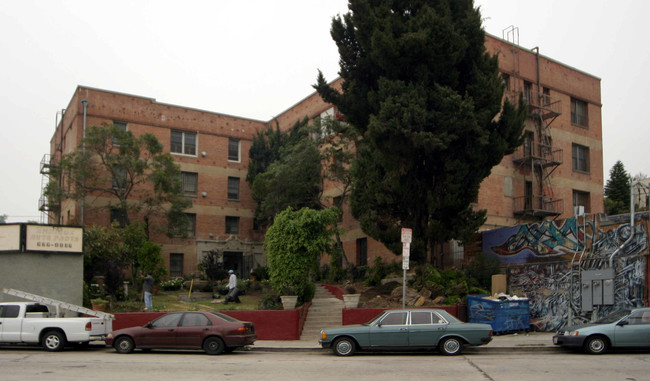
x=503, y=315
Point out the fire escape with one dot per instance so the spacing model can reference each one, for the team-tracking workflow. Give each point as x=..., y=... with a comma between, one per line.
x=536, y=158
x=50, y=208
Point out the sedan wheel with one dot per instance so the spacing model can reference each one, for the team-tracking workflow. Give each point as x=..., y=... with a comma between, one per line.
x=213, y=346
x=596, y=345
x=451, y=346
x=124, y=344
x=344, y=347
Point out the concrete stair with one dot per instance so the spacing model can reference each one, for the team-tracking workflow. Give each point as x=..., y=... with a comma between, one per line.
x=325, y=312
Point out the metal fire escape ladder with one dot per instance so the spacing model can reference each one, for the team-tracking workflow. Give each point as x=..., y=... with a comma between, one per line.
x=537, y=159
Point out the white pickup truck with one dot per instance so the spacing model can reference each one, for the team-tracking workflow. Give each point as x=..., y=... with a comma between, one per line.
x=36, y=323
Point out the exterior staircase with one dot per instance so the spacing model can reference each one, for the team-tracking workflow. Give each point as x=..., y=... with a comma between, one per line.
x=325, y=312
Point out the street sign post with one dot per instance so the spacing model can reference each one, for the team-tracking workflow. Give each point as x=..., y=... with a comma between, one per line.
x=407, y=235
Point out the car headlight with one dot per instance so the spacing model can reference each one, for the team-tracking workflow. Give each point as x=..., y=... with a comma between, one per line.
x=571, y=333
x=323, y=335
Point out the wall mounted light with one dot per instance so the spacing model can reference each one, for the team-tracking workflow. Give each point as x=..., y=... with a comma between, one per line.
x=203, y=154
x=204, y=194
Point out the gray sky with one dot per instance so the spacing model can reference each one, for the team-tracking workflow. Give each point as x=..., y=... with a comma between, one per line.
x=257, y=58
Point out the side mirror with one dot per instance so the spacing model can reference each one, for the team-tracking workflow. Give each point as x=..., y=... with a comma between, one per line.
x=622, y=323
x=148, y=325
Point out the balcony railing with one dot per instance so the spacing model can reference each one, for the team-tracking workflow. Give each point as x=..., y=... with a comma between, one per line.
x=538, y=206
x=540, y=154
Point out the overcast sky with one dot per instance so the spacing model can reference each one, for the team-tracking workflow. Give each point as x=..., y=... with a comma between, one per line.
x=257, y=58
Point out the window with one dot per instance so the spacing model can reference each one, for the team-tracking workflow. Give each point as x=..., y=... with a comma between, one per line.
x=190, y=183
x=191, y=224
x=119, y=177
x=529, y=137
x=9, y=311
x=234, y=149
x=232, y=225
x=528, y=195
x=183, y=142
x=420, y=317
x=176, y=264
x=581, y=198
x=528, y=92
x=121, y=126
x=195, y=319
x=169, y=320
x=580, y=156
x=118, y=215
x=579, y=112
x=233, y=188
x=362, y=251
x=506, y=81
x=394, y=318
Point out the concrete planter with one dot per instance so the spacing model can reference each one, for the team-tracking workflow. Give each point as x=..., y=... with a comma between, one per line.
x=351, y=300
x=289, y=302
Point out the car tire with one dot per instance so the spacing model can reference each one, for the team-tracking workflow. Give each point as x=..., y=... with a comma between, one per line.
x=214, y=346
x=124, y=344
x=451, y=346
x=596, y=345
x=53, y=341
x=344, y=346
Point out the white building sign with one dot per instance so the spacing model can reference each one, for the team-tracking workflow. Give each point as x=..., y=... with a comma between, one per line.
x=9, y=237
x=54, y=238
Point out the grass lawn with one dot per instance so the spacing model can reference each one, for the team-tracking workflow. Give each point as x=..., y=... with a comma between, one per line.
x=169, y=301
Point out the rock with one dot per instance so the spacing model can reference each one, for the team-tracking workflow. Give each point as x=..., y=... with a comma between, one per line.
x=420, y=301
x=426, y=293
x=411, y=295
x=439, y=300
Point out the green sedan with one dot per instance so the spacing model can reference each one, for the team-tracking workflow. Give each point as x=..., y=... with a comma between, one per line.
x=407, y=330
x=621, y=329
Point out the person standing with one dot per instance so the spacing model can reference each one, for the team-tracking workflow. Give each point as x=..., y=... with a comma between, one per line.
x=232, y=289
x=147, y=287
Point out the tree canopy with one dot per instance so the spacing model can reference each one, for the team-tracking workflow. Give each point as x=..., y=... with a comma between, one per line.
x=284, y=171
x=132, y=171
x=426, y=101
x=617, y=190
x=293, y=244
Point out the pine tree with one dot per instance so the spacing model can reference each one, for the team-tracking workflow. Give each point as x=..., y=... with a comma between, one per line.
x=617, y=190
x=426, y=98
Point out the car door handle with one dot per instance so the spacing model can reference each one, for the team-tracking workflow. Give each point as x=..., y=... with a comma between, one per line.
x=170, y=330
x=205, y=329
x=403, y=329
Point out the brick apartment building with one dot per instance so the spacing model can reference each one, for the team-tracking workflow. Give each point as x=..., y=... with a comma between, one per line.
x=558, y=167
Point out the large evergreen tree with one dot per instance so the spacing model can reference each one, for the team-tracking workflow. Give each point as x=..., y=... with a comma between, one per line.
x=427, y=101
x=284, y=171
x=617, y=190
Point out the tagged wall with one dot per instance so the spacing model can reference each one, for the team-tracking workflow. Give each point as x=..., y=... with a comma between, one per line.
x=547, y=262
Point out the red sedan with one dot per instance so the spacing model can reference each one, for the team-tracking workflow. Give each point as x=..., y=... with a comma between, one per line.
x=213, y=332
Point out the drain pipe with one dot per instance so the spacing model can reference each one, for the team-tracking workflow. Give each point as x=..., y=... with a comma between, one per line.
x=84, y=102
x=632, y=228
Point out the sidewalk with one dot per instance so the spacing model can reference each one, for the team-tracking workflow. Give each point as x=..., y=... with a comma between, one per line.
x=526, y=342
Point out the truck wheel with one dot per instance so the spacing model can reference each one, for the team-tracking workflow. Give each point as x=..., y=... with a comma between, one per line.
x=123, y=344
x=53, y=341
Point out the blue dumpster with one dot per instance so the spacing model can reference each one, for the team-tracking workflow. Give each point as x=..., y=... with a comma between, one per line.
x=502, y=315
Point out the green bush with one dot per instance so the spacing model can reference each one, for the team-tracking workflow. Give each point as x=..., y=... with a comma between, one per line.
x=377, y=273
x=172, y=284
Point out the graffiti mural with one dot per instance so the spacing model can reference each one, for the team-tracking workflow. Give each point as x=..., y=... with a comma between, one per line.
x=545, y=262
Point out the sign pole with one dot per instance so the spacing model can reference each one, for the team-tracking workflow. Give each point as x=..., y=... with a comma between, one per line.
x=406, y=253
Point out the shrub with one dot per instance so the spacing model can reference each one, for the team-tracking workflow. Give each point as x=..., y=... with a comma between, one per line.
x=172, y=284
x=377, y=273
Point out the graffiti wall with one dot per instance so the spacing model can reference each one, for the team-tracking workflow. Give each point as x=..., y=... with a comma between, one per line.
x=545, y=263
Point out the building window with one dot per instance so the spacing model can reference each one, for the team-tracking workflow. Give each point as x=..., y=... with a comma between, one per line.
x=232, y=225
x=529, y=141
x=176, y=264
x=579, y=112
x=234, y=149
x=233, y=188
x=528, y=195
x=190, y=182
x=118, y=178
x=528, y=92
x=581, y=198
x=362, y=251
x=183, y=142
x=121, y=126
x=580, y=156
x=118, y=215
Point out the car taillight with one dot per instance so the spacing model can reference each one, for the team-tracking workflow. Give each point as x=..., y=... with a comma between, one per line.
x=242, y=329
x=89, y=326
x=491, y=333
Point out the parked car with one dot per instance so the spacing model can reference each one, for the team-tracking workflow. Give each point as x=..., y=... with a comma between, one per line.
x=213, y=332
x=621, y=329
x=407, y=330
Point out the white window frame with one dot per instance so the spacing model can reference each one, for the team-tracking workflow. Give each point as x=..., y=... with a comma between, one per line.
x=183, y=134
x=238, y=160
